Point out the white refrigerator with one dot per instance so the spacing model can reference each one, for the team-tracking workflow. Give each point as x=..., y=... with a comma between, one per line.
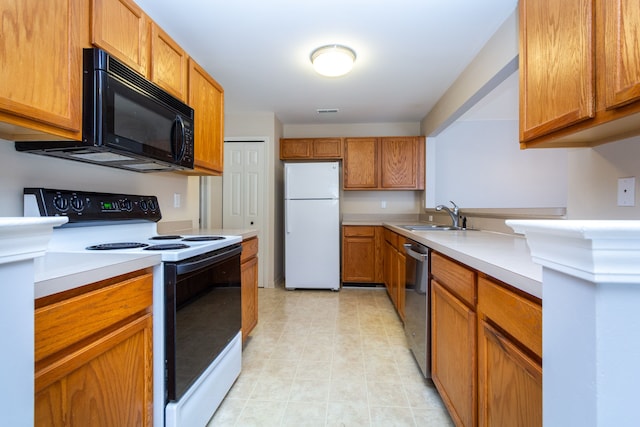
x=312, y=225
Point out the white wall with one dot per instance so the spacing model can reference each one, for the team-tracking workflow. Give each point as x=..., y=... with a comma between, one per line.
x=497, y=59
x=367, y=202
x=352, y=129
x=19, y=170
x=371, y=202
x=593, y=180
x=478, y=164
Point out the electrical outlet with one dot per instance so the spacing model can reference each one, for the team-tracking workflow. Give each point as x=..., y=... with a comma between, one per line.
x=627, y=191
x=176, y=200
x=383, y=204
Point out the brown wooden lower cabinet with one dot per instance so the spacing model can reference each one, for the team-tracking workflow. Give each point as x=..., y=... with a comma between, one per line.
x=486, y=347
x=249, y=285
x=93, y=354
x=453, y=351
x=509, y=357
x=361, y=254
x=390, y=271
x=394, y=269
x=510, y=382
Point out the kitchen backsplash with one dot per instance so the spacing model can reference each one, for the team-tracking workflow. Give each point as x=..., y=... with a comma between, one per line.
x=20, y=170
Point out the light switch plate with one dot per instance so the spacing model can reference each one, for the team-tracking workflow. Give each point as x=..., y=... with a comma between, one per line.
x=627, y=191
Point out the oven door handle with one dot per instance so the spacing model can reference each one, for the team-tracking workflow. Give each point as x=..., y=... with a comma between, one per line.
x=199, y=264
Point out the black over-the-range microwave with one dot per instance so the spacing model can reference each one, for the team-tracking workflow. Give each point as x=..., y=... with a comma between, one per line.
x=127, y=122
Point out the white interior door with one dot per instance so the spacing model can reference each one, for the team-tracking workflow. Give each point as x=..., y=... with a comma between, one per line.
x=243, y=191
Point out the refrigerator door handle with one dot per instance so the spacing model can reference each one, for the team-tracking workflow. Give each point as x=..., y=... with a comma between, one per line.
x=286, y=182
x=287, y=225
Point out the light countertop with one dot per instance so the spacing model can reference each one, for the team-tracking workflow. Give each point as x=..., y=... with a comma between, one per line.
x=505, y=257
x=60, y=271
x=244, y=233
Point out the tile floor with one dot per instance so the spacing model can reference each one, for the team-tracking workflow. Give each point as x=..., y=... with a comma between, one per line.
x=323, y=358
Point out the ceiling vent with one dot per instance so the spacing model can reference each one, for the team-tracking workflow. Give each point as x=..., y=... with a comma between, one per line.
x=327, y=110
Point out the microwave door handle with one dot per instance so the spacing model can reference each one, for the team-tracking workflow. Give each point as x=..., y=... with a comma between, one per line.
x=178, y=136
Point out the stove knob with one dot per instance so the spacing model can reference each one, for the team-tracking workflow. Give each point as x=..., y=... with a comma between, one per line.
x=77, y=204
x=61, y=203
x=152, y=205
x=143, y=205
x=125, y=204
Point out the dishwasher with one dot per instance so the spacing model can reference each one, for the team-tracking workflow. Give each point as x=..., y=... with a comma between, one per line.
x=417, y=305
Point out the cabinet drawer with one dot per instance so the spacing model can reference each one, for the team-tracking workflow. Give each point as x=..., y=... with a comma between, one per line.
x=391, y=237
x=516, y=315
x=249, y=249
x=359, y=231
x=62, y=323
x=455, y=277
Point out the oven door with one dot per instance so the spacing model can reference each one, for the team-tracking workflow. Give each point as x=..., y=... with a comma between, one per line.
x=202, y=314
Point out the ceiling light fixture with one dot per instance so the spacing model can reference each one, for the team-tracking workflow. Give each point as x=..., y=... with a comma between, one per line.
x=333, y=60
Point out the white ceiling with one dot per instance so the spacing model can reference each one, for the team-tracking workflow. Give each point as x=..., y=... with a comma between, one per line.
x=408, y=52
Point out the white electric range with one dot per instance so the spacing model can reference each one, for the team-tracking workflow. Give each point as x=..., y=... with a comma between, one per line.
x=199, y=289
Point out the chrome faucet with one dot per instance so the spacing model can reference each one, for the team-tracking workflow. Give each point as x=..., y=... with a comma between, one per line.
x=453, y=213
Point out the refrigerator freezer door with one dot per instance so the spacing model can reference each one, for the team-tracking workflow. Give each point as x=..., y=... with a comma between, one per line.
x=312, y=180
x=312, y=244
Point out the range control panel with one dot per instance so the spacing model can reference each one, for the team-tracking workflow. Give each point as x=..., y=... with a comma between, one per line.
x=83, y=206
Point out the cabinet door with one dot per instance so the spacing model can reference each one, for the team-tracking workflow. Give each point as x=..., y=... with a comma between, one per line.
x=129, y=39
x=291, y=149
x=390, y=271
x=379, y=254
x=360, y=167
x=41, y=68
x=249, y=285
x=622, y=66
x=249, y=288
x=401, y=163
x=327, y=148
x=556, y=65
x=206, y=97
x=453, y=350
x=169, y=63
x=106, y=383
x=358, y=254
x=510, y=382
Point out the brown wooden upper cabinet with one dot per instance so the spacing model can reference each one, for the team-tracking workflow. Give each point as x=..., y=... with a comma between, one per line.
x=579, y=81
x=385, y=163
x=34, y=103
x=169, y=63
x=141, y=44
x=206, y=97
x=129, y=40
x=148, y=49
x=310, y=148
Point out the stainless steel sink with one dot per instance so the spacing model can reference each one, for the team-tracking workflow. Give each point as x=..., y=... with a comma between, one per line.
x=427, y=227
